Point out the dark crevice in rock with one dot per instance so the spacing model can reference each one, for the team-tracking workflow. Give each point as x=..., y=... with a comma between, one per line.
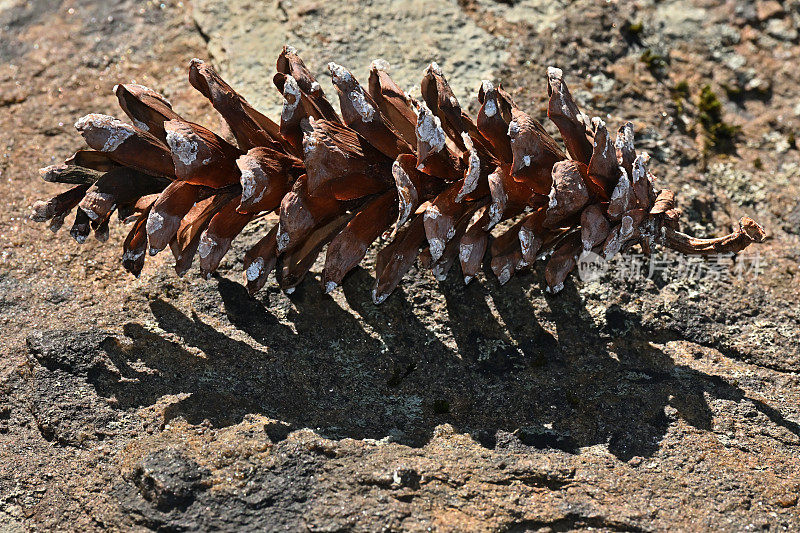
x=536, y=481
x=203, y=35
x=573, y=522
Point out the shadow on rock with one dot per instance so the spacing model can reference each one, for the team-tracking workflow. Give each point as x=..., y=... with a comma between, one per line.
x=381, y=372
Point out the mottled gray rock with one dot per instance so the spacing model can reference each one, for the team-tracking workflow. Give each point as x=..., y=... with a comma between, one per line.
x=245, y=38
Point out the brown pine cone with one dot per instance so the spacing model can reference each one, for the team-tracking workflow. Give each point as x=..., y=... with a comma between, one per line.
x=426, y=172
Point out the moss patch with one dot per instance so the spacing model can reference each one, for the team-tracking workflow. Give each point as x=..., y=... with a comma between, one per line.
x=680, y=94
x=632, y=31
x=655, y=62
x=720, y=137
x=681, y=90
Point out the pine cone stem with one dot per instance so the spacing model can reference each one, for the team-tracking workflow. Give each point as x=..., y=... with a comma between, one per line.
x=749, y=232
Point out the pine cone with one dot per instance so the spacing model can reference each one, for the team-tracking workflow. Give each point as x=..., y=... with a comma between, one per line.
x=424, y=171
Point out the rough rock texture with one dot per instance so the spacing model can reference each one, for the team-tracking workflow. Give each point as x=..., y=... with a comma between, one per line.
x=409, y=35
x=622, y=404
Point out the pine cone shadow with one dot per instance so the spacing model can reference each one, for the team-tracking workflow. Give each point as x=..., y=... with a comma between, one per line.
x=381, y=371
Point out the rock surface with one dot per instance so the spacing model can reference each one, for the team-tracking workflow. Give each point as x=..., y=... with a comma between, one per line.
x=407, y=35
x=624, y=404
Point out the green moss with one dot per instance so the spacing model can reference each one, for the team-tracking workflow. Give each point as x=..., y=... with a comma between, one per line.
x=792, y=140
x=720, y=137
x=632, y=30
x=655, y=62
x=635, y=28
x=708, y=103
x=681, y=90
x=680, y=93
x=758, y=163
